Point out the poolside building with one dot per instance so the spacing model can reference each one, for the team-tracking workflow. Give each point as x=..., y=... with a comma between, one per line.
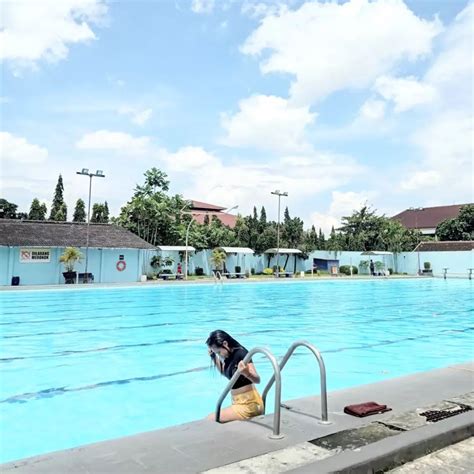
x=30, y=251
x=200, y=210
x=426, y=219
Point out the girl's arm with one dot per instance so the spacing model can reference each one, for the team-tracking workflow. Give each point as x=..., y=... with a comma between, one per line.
x=249, y=371
x=217, y=362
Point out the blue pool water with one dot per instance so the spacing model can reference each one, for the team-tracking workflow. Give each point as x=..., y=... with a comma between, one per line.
x=80, y=366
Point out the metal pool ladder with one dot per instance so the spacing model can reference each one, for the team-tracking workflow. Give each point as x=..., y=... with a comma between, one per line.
x=275, y=378
x=322, y=371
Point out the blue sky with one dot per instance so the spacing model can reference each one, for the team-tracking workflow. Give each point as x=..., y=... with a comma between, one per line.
x=338, y=103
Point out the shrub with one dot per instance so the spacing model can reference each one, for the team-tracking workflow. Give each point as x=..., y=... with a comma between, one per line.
x=199, y=271
x=390, y=270
x=346, y=269
x=155, y=261
x=238, y=269
x=268, y=271
x=166, y=271
x=427, y=265
x=252, y=271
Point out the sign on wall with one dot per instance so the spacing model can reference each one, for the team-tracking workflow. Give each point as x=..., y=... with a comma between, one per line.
x=35, y=255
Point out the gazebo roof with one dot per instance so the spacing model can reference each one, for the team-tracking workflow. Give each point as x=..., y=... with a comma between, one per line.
x=237, y=250
x=175, y=248
x=290, y=251
x=25, y=233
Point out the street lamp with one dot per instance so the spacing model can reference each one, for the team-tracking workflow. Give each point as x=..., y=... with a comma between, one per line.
x=279, y=194
x=97, y=174
x=416, y=209
x=187, y=236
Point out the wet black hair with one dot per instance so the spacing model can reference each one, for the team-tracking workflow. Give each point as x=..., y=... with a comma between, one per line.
x=216, y=338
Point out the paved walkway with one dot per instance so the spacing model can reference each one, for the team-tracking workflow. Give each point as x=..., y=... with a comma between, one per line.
x=457, y=458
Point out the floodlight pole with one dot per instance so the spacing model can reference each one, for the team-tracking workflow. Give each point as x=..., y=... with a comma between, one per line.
x=187, y=236
x=97, y=174
x=279, y=194
x=416, y=209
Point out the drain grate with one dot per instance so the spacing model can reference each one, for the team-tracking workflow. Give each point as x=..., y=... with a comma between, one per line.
x=438, y=415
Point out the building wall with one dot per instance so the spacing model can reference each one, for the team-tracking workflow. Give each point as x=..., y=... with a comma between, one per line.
x=101, y=263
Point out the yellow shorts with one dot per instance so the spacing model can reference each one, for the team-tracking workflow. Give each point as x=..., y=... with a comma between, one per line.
x=248, y=404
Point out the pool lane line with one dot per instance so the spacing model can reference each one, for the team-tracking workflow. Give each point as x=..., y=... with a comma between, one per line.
x=52, y=392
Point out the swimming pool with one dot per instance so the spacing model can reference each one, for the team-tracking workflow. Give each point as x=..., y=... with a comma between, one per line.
x=85, y=365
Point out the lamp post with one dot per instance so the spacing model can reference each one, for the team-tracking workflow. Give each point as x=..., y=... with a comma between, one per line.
x=279, y=194
x=97, y=174
x=187, y=237
x=416, y=209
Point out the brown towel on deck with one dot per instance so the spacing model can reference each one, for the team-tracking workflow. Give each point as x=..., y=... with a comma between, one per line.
x=365, y=409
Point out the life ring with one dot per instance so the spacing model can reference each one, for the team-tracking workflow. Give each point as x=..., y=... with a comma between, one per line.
x=121, y=265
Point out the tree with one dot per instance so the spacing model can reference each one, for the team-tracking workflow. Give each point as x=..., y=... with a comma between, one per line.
x=364, y=230
x=58, y=208
x=459, y=228
x=321, y=240
x=100, y=213
x=79, y=211
x=263, y=220
x=152, y=214
x=61, y=214
x=37, y=211
x=292, y=230
x=7, y=209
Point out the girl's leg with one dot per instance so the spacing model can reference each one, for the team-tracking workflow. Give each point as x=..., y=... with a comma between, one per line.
x=227, y=414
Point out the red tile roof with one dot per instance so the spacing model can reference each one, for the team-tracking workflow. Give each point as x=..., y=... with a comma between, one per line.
x=428, y=217
x=227, y=219
x=204, y=206
x=445, y=246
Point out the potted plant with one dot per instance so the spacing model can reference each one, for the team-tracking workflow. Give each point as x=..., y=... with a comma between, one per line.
x=69, y=258
x=218, y=258
x=427, y=268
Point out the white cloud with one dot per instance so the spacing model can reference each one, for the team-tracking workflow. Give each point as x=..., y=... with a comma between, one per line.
x=330, y=47
x=255, y=9
x=189, y=159
x=372, y=109
x=202, y=6
x=17, y=150
x=342, y=204
x=207, y=177
x=118, y=141
x=420, y=180
x=32, y=30
x=405, y=92
x=445, y=137
x=269, y=123
x=137, y=116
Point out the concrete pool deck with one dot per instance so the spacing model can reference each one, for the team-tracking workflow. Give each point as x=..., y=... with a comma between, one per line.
x=210, y=280
x=205, y=445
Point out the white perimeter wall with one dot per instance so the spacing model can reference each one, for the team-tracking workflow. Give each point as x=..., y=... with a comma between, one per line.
x=405, y=262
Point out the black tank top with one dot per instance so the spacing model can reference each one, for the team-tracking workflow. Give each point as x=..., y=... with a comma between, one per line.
x=230, y=366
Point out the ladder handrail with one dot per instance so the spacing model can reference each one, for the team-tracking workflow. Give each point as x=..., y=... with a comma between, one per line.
x=322, y=369
x=275, y=378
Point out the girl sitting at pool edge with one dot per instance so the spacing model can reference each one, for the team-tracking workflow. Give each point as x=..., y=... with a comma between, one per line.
x=227, y=355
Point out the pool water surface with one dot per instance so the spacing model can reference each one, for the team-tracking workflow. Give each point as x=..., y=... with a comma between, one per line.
x=85, y=365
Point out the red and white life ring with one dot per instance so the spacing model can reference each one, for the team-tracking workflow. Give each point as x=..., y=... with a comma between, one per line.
x=121, y=265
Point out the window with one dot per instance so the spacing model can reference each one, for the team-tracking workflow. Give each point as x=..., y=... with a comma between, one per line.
x=35, y=255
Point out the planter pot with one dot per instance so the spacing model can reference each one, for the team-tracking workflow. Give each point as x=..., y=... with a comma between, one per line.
x=69, y=277
x=427, y=272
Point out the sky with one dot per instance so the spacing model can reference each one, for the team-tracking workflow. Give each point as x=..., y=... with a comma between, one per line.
x=338, y=103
